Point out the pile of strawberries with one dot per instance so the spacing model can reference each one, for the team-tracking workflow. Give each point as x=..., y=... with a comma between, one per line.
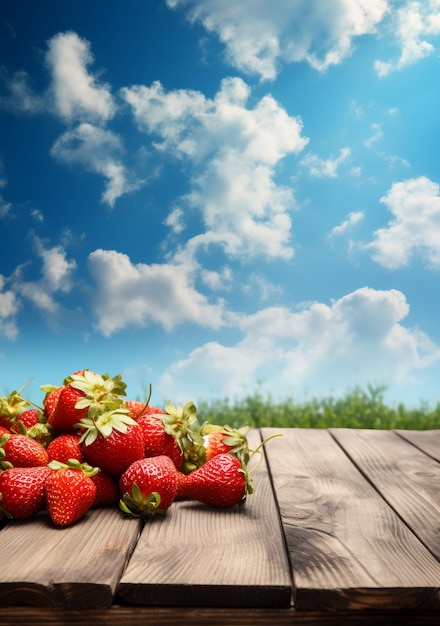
x=89, y=445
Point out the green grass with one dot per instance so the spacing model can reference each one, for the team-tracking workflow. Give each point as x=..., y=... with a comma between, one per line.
x=358, y=409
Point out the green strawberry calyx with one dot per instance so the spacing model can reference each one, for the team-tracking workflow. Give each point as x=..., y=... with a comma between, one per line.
x=138, y=505
x=103, y=424
x=182, y=423
x=75, y=465
x=235, y=438
x=4, y=465
x=12, y=406
x=100, y=392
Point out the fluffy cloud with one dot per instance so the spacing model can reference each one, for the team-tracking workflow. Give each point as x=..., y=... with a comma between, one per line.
x=260, y=35
x=415, y=23
x=99, y=151
x=19, y=96
x=5, y=207
x=57, y=272
x=130, y=294
x=415, y=227
x=9, y=307
x=77, y=94
x=323, y=347
x=325, y=168
x=56, y=276
x=353, y=218
x=234, y=151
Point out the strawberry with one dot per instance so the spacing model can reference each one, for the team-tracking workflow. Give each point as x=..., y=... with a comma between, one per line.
x=4, y=431
x=221, y=482
x=148, y=487
x=21, y=451
x=112, y=441
x=32, y=423
x=65, y=414
x=181, y=422
x=156, y=440
x=65, y=447
x=22, y=491
x=70, y=492
x=221, y=439
x=28, y=418
x=107, y=490
x=137, y=408
x=51, y=398
x=85, y=394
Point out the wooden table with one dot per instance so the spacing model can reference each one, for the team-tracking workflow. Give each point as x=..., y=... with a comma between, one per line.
x=343, y=528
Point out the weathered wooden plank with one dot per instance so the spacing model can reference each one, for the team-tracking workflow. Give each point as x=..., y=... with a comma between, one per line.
x=427, y=440
x=201, y=556
x=78, y=567
x=348, y=548
x=210, y=616
x=407, y=479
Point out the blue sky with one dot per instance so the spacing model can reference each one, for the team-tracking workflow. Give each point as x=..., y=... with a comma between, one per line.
x=215, y=196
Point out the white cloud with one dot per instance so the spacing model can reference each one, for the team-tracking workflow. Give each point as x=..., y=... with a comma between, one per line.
x=77, y=94
x=260, y=35
x=217, y=280
x=415, y=23
x=57, y=270
x=128, y=294
x=415, y=226
x=56, y=276
x=377, y=133
x=325, y=168
x=5, y=207
x=20, y=97
x=99, y=151
x=9, y=307
x=235, y=151
x=175, y=221
x=353, y=218
x=358, y=339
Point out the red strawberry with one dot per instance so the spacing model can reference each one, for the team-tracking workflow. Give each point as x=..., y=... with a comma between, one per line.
x=221, y=439
x=22, y=491
x=156, y=440
x=65, y=447
x=112, y=441
x=51, y=398
x=4, y=431
x=148, y=487
x=136, y=408
x=21, y=451
x=85, y=394
x=221, y=482
x=181, y=423
x=70, y=492
x=32, y=423
x=107, y=490
x=28, y=418
x=65, y=414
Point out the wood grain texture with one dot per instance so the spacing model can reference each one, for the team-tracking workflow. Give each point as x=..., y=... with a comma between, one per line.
x=77, y=567
x=201, y=556
x=426, y=440
x=405, y=477
x=189, y=616
x=348, y=548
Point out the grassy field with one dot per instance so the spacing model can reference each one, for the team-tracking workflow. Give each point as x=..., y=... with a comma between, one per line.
x=358, y=409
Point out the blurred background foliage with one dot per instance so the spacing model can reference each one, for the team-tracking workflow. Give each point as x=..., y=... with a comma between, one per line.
x=358, y=409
